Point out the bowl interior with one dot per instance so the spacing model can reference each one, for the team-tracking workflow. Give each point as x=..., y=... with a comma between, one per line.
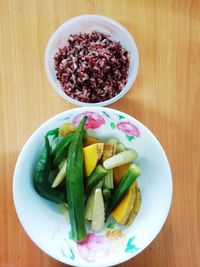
x=47, y=227
x=89, y=23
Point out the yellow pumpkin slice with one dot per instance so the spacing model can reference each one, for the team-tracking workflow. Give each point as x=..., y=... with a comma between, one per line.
x=91, y=156
x=123, y=209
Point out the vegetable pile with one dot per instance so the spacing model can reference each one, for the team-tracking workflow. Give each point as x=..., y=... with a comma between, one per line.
x=89, y=178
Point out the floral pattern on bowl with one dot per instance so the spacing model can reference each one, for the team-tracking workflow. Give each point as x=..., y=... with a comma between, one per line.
x=128, y=128
x=94, y=120
x=111, y=241
x=94, y=247
x=119, y=122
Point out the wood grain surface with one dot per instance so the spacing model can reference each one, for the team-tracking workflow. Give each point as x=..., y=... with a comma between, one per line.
x=165, y=97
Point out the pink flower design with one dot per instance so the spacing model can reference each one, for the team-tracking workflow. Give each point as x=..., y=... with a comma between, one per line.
x=128, y=128
x=94, y=120
x=94, y=247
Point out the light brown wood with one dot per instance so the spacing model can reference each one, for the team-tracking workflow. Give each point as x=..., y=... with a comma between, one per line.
x=165, y=97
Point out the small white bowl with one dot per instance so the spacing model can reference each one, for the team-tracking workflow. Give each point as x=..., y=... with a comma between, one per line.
x=47, y=227
x=89, y=23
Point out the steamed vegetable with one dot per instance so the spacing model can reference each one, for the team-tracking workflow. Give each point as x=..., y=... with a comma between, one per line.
x=53, y=132
x=89, y=206
x=60, y=151
x=119, y=172
x=106, y=194
x=91, y=155
x=98, y=215
x=61, y=175
x=135, y=209
x=88, y=178
x=121, y=158
x=74, y=185
x=109, y=151
x=96, y=176
x=108, y=180
x=130, y=176
x=90, y=140
x=120, y=148
x=126, y=204
x=41, y=175
x=66, y=128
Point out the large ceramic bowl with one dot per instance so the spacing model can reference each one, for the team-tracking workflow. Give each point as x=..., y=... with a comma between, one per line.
x=87, y=24
x=48, y=228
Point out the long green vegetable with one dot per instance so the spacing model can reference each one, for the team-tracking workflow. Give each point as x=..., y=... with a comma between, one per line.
x=132, y=173
x=94, y=178
x=75, y=186
x=41, y=175
x=60, y=151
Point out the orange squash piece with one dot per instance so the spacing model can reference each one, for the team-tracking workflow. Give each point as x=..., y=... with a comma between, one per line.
x=119, y=172
x=125, y=206
x=91, y=140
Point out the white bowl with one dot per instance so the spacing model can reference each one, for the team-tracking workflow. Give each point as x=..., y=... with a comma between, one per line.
x=89, y=23
x=47, y=227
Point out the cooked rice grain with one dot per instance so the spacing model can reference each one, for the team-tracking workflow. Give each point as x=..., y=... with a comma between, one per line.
x=92, y=68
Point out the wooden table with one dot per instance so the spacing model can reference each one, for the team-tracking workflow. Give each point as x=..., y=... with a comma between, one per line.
x=165, y=97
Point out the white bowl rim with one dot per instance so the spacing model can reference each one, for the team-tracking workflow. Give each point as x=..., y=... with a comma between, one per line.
x=93, y=109
x=131, y=79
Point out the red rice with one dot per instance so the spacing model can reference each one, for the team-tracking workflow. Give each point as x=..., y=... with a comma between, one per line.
x=92, y=68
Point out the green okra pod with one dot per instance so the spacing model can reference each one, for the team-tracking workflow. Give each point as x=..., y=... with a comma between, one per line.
x=75, y=185
x=60, y=151
x=95, y=177
x=129, y=177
